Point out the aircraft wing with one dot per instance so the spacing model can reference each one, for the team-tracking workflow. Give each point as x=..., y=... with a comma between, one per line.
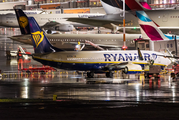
x=169, y=56
x=97, y=22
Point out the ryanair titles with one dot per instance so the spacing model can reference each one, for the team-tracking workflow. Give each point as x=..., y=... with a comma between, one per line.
x=129, y=57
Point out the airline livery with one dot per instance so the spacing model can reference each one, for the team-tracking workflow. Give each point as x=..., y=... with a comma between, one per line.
x=150, y=30
x=57, y=22
x=91, y=61
x=69, y=41
x=166, y=19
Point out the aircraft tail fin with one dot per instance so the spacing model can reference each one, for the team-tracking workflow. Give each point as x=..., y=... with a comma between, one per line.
x=115, y=6
x=40, y=41
x=149, y=29
x=145, y=5
x=23, y=21
x=135, y=5
x=112, y=6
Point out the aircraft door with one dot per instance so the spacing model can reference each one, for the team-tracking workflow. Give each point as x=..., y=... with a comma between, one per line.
x=165, y=17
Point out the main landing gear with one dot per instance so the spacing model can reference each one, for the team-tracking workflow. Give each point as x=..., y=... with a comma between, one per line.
x=90, y=74
x=49, y=31
x=99, y=31
x=109, y=74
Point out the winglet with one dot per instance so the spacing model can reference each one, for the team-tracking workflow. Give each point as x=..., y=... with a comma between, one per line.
x=140, y=54
x=23, y=21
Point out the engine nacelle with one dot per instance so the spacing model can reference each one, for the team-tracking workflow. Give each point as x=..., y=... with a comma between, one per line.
x=64, y=27
x=132, y=69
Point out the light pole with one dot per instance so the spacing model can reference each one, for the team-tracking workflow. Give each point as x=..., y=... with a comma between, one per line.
x=124, y=31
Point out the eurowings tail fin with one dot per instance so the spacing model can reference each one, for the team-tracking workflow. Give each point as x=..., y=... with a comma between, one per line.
x=149, y=29
x=40, y=41
x=23, y=21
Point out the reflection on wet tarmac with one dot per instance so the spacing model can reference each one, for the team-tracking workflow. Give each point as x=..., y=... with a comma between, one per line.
x=19, y=84
x=76, y=87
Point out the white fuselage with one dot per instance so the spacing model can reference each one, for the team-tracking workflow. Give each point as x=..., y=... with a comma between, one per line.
x=90, y=60
x=103, y=40
x=11, y=20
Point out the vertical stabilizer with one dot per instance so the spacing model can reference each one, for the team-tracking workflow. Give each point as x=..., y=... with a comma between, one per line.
x=135, y=5
x=149, y=28
x=40, y=41
x=23, y=21
x=145, y=5
x=115, y=6
x=112, y=6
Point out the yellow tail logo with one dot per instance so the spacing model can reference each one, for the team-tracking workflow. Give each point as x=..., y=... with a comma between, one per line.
x=38, y=37
x=23, y=21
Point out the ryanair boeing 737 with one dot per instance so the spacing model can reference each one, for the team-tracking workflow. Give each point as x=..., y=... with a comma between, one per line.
x=91, y=61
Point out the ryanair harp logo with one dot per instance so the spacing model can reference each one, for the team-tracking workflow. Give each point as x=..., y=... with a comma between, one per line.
x=23, y=21
x=38, y=37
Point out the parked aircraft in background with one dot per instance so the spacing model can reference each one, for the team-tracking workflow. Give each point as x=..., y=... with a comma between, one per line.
x=91, y=61
x=167, y=20
x=37, y=11
x=150, y=31
x=69, y=41
x=49, y=22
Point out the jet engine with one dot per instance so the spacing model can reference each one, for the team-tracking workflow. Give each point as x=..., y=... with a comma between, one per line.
x=64, y=27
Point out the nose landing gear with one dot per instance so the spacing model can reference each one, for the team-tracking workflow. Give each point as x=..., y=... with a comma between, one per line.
x=90, y=74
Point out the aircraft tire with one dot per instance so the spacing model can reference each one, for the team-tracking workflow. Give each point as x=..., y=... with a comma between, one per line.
x=109, y=75
x=28, y=72
x=42, y=72
x=125, y=70
x=49, y=31
x=90, y=74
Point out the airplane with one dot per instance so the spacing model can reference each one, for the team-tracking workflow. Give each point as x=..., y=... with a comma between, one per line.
x=37, y=11
x=69, y=41
x=166, y=19
x=90, y=61
x=49, y=22
x=150, y=31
